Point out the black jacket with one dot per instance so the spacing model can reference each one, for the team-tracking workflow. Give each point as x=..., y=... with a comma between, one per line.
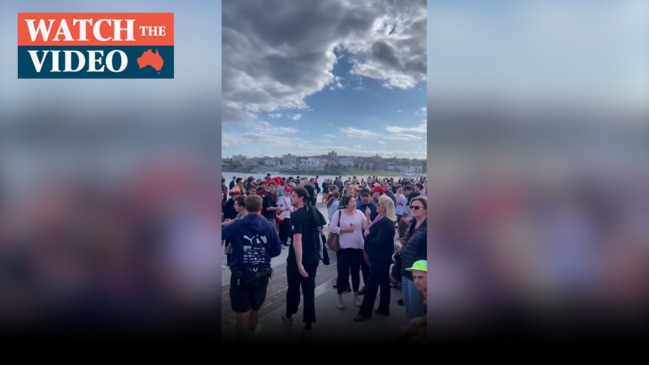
x=379, y=243
x=414, y=248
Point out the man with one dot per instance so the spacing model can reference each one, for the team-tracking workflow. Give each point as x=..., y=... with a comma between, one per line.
x=365, y=202
x=302, y=261
x=285, y=207
x=366, y=205
x=415, y=329
x=270, y=202
x=310, y=188
x=254, y=241
x=240, y=207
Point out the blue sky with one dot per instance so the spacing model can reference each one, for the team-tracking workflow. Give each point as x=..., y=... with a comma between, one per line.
x=310, y=77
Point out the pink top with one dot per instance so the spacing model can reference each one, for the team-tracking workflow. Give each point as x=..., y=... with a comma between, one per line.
x=349, y=239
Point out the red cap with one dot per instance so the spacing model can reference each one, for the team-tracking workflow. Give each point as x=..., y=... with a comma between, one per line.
x=378, y=189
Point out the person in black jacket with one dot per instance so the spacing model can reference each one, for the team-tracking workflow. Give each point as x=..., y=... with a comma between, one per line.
x=414, y=249
x=379, y=247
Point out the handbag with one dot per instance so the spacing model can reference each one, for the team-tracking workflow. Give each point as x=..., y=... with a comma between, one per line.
x=333, y=239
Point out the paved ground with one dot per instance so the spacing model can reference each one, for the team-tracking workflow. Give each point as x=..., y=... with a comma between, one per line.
x=333, y=325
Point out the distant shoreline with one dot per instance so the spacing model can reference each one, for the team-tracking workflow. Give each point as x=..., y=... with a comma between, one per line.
x=354, y=172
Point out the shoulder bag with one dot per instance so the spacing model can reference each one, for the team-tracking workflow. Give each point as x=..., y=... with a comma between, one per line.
x=333, y=240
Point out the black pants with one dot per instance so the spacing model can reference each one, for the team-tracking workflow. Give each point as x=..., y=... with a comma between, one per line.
x=285, y=230
x=307, y=285
x=378, y=278
x=365, y=269
x=348, y=260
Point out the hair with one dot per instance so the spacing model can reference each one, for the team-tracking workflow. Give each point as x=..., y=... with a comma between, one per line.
x=407, y=187
x=388, y=204
x=301, y=192
x=240, y=199
x=253, y=203
x=422, y=199
x=345, y=200
x=332, y=196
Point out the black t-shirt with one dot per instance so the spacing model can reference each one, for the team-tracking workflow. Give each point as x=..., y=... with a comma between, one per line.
x=412, y=195
x=303, y=221
x=269, y=201
x=311, y=189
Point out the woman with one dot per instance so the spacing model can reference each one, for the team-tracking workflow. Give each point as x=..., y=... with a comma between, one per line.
x=333, y=203
x=379, y=247
x=400, y=204
x=349, y=223
x=325, y=190
x=414, y=249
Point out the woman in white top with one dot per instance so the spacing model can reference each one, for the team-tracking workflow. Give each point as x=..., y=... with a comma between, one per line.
x=349, y=223
x=333, y=203
x=400, y=204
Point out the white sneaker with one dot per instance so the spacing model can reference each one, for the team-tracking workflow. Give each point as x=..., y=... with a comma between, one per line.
x=340, y=305
x=358, y=302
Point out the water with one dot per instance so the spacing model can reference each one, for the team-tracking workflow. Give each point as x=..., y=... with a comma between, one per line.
x=228, y=176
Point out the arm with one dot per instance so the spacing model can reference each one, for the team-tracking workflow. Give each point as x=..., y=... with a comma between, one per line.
x=366, y=220
x=334, y=226
x=227, y=232
x=274, y=244
x=297, y=246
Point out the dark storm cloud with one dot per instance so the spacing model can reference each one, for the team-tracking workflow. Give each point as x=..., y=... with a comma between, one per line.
x=276, y=53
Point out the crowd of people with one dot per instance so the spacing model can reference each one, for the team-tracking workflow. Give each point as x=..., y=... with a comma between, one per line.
x=381, y=224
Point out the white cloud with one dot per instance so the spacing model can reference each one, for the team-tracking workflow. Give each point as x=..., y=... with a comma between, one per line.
x=358, y=133
x=277, y=54
x=421, y=128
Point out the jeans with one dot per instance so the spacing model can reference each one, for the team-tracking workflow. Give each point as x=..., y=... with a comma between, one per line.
x=413, y=299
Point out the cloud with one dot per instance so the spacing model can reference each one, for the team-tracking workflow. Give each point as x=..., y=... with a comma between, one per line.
x=268, y=129
x=358, y=133
x=296, y=117
x=421, y=128
x=393, y=134
x=276, y=53
x=275, y=115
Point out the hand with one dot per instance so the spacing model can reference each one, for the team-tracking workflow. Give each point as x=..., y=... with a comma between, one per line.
x=302, y=271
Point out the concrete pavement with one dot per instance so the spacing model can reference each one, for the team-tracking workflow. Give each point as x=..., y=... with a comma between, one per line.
x=333, y=326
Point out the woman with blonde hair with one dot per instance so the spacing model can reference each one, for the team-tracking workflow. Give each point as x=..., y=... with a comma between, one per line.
x=379, y=247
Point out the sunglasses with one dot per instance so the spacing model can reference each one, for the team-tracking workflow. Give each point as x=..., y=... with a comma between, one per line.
x=415, y=207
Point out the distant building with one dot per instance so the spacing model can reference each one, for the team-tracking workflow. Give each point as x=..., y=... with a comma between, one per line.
x=346, y=161
x=289, y=159
x=310, y=164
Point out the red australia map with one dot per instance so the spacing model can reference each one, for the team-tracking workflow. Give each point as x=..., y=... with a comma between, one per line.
x=150, y=58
